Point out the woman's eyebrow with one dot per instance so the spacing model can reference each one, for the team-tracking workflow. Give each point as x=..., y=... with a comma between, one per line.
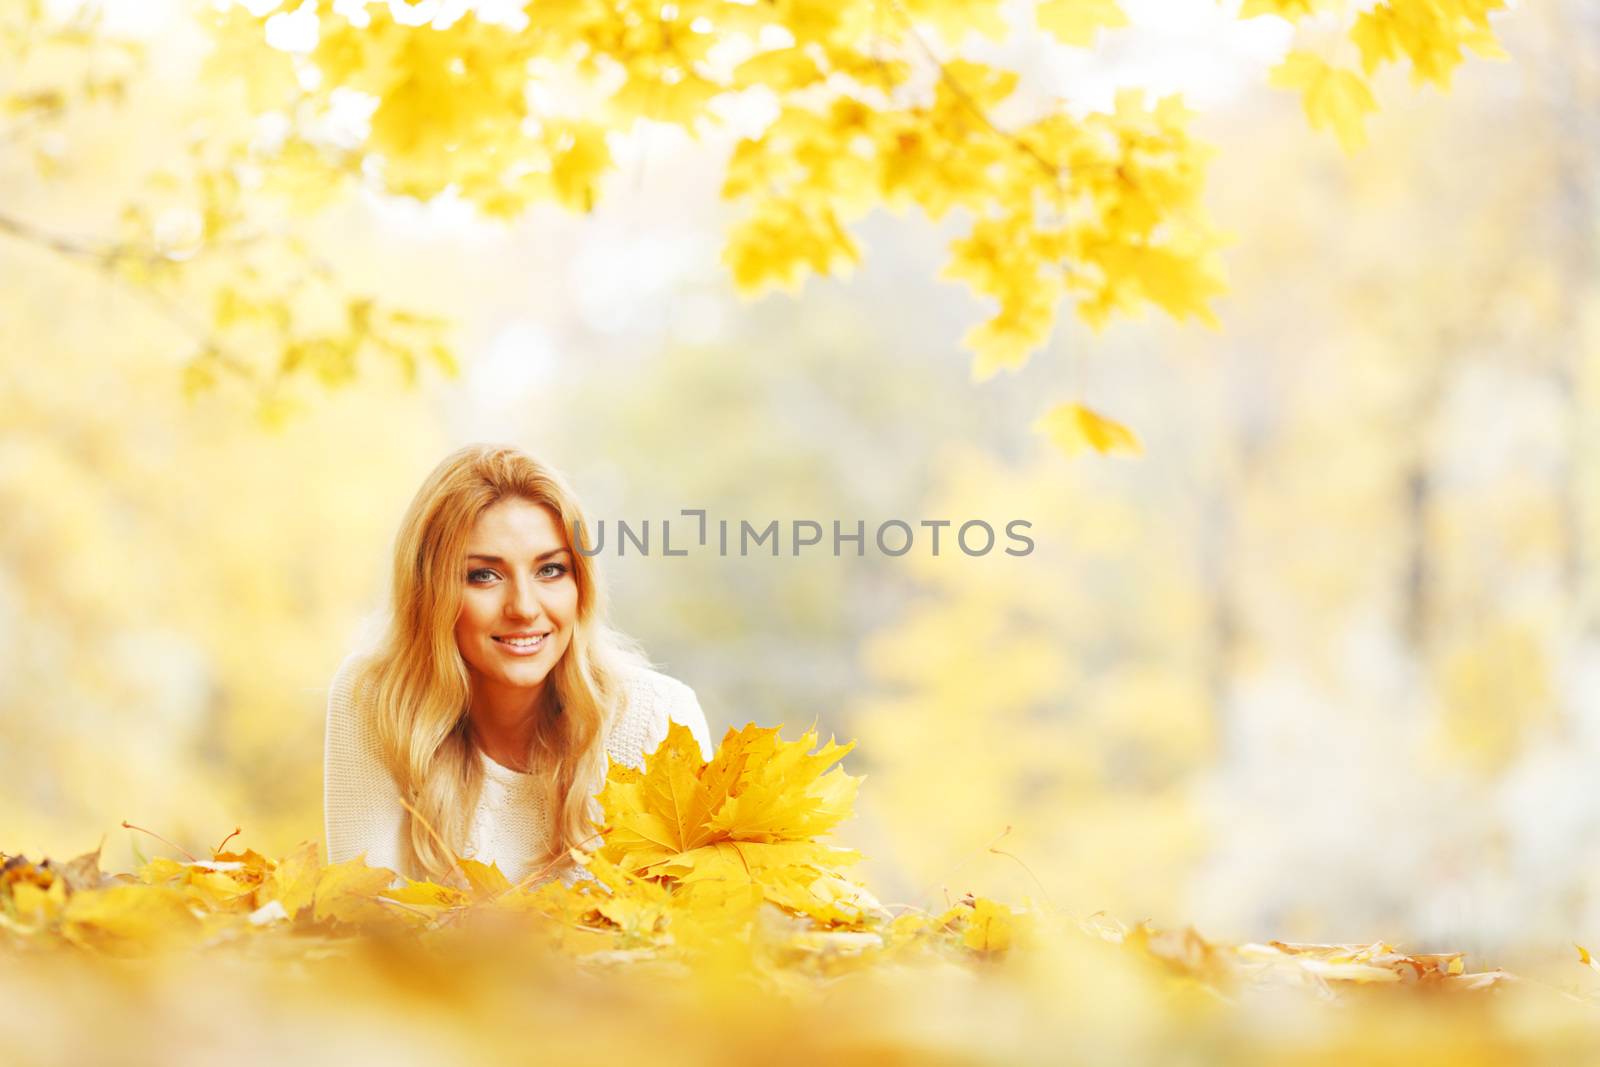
x=497, y=559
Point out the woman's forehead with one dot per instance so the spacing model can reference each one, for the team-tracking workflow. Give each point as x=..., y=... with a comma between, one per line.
x=517, y=527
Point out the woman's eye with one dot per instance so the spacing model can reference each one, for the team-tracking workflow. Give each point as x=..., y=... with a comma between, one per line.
x=549, y=570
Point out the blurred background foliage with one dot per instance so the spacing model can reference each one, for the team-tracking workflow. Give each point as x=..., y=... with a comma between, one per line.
x=1322, y=664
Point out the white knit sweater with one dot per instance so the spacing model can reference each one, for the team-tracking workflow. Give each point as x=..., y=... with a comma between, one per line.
x=361, y=802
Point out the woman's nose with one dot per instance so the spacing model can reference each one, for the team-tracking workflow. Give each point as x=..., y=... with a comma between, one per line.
x=523, y=601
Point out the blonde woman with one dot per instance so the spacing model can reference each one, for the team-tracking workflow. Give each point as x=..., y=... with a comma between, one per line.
x=483, y=722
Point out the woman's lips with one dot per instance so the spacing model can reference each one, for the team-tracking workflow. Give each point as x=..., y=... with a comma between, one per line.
x=522, y=647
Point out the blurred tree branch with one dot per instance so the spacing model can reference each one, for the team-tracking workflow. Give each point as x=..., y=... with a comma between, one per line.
x=203, y=231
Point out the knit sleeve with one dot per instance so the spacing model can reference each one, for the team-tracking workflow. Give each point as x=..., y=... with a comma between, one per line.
x=362, y=812
x=654, y=701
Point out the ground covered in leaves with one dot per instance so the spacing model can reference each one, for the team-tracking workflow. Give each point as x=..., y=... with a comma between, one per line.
x=712, y=925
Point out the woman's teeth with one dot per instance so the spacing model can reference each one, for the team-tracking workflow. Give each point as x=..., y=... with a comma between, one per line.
x=523, y=644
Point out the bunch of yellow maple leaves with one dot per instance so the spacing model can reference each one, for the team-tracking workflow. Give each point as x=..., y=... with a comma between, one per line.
x=710, y=925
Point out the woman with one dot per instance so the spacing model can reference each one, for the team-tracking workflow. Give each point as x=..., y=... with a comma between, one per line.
x=482, y=724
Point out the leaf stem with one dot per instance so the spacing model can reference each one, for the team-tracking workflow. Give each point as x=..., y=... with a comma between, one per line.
x=126, y=825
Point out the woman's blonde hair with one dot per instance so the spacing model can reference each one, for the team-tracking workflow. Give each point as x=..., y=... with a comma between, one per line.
x=421, y=686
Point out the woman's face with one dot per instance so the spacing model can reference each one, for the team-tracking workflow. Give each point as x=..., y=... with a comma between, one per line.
x=520, y=598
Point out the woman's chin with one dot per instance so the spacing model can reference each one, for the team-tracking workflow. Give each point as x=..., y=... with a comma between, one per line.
x=518, y=670
x=524, y=674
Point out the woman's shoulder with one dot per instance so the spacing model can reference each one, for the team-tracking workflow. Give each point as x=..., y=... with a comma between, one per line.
x=344, y=675
x=650, y=683
x=654, y=699
x=347, y=684
x=351, y=703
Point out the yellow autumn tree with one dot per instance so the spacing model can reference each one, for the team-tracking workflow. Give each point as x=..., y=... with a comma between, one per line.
x=832, y=110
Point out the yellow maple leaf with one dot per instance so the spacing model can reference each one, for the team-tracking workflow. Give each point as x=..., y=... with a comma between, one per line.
x=226, y=882
x=579, y=157
x=1293, y=10
x=828, y=898
x=1023, y=324
x=427, y=895
x=1075, y=429
x=1375, y=33
x=781, y=792
x=662, y=812
x=747, y=817
x=1076, y=22
x=1333, y=97
x=347, y=892
x=293, y=881
x=783, y=68
x=989, y=927
x=484, y=880
x=1430, y=33
x=783, y=240
x=130, y=919
x=38, y=905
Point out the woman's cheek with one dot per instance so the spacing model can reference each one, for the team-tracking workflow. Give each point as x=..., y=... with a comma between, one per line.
x=473, y=615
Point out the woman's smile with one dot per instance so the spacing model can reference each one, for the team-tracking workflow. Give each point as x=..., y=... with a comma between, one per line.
x=522, y=644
